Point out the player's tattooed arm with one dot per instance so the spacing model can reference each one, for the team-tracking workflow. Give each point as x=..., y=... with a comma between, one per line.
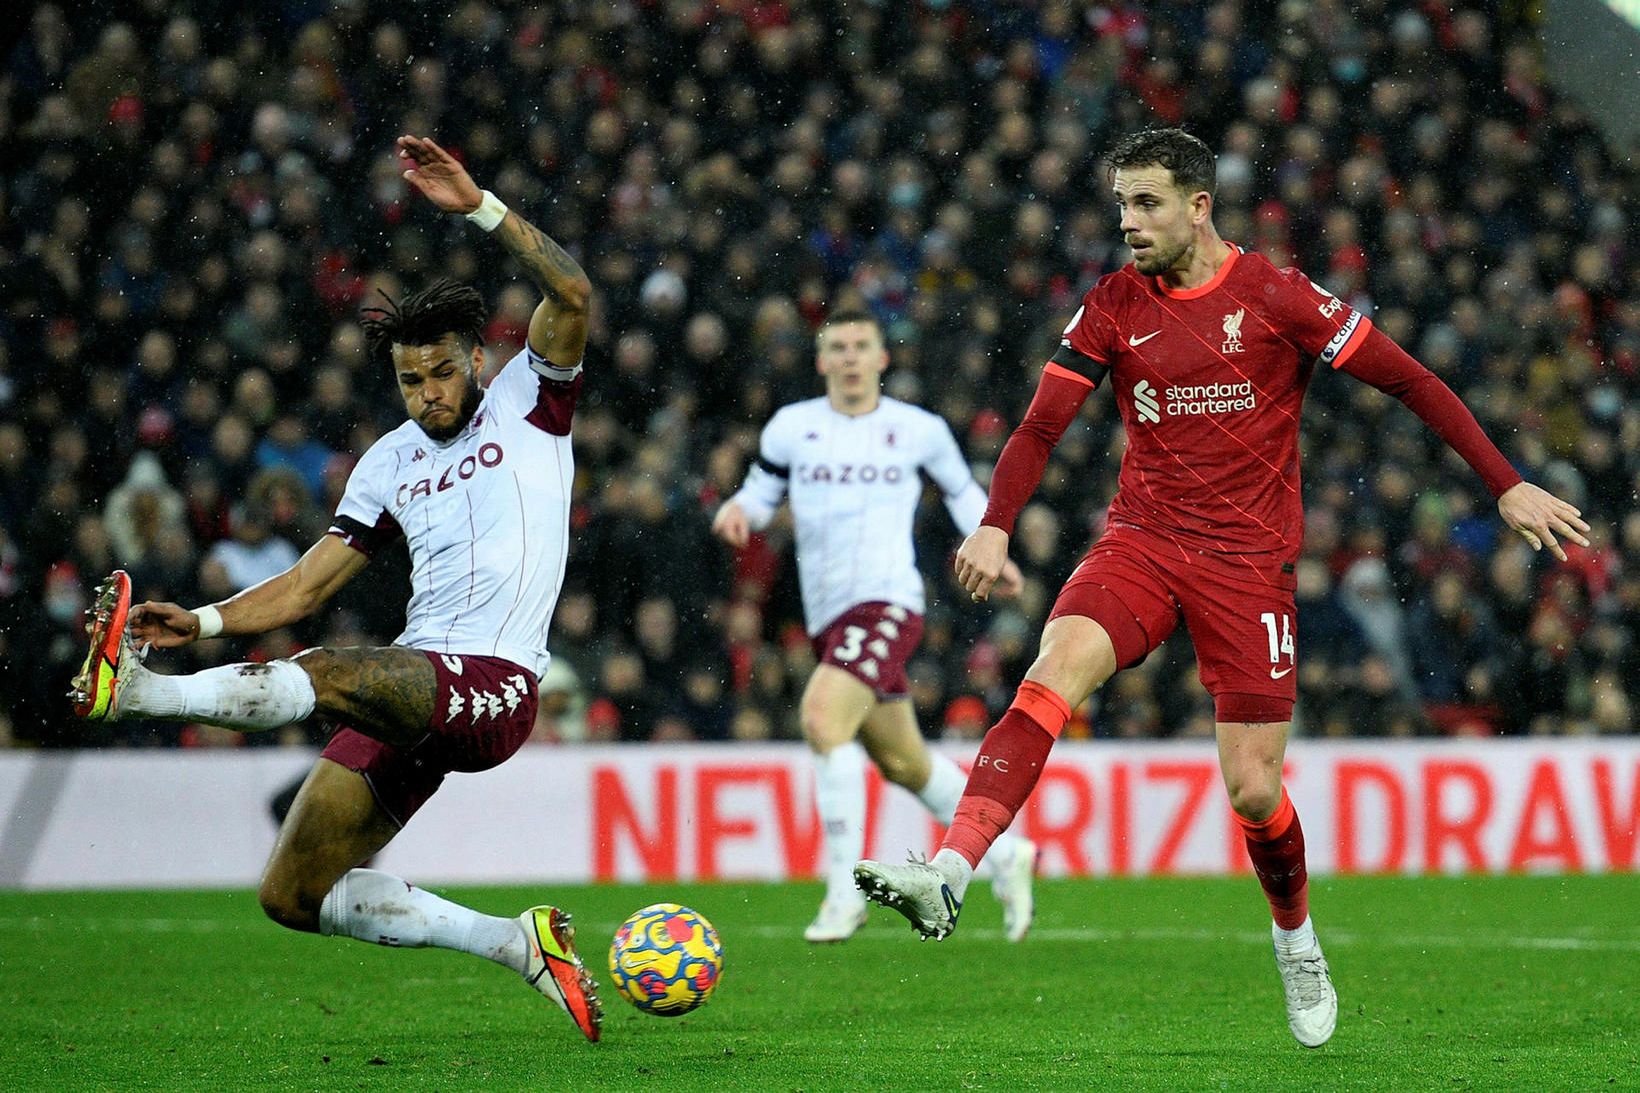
x=558, y=276
x=558, y=329
x=386, y=692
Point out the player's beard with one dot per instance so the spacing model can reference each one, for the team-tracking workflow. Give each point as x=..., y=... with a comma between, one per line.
x=1158, y=259
x=448, y=428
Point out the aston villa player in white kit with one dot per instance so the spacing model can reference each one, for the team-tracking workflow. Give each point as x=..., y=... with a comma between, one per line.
x=478, y=484
x=852, y=463
x=1209, y=350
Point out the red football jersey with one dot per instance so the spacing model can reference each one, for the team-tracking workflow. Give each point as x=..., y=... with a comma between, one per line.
x=1209, y=382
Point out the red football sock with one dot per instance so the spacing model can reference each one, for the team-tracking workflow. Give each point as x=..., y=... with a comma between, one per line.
x=1276, y=846
x=1010, y=761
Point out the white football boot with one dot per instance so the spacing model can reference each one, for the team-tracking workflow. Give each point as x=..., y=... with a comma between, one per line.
x=839, y=917
x=1312, y=1003
x=1012, y=882
x=915, y=889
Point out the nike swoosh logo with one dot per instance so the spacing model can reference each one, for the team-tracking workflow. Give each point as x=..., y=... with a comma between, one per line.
x=953, y=906
x=1277, y=675
x=1137, y=342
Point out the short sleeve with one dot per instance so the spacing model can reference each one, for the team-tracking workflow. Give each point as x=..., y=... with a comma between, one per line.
x=1320, y=323
x=362, y=519
x=774, y=445
x=1088, y=345
x=766, y=479
x=544, y=394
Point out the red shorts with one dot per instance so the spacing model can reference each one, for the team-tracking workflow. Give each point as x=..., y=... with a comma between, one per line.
x=872, y=642
x=1138, y=586
x=483, y=711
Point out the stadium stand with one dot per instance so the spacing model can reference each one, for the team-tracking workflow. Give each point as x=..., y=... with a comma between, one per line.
x=199, y=195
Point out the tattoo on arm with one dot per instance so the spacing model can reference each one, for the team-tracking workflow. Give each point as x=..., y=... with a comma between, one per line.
x=554, y=272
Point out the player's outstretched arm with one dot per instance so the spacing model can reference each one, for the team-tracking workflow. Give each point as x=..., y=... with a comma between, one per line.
x=1539, y=515
x=982, y=560
x=278, y=601
x=1533, y=512
x=558, y=329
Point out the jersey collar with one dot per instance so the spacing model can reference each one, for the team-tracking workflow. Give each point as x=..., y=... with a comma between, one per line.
x=1204, y=289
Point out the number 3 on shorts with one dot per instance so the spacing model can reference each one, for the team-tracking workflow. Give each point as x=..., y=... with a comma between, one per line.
x=1279, y=646
x=853, y=636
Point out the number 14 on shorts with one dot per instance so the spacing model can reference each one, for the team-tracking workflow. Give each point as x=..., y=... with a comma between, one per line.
x=1281, y=644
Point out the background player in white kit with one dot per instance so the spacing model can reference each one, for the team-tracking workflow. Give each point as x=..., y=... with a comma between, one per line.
x=478, y=482
x=852, y=462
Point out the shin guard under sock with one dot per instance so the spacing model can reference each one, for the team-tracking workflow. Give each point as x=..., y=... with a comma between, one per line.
x=369, y=905
x=1276, y=847
x=234, y=696
x=1009, y=763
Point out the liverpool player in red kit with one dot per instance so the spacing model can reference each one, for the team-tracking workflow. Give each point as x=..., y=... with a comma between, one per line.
x=1208, y=350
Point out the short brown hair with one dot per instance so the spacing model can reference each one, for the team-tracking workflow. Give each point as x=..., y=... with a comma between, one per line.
x=1190, y=160
x=850, y=315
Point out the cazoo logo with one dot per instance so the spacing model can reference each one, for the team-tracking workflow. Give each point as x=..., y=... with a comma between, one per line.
x=489, y=455
x=844, y=474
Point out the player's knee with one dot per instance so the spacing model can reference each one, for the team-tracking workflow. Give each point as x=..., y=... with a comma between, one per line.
x=321, y=666
x=822, y=732
x=1071, y=669
x=286, y=904
x=1255, y=796
x=903, y=770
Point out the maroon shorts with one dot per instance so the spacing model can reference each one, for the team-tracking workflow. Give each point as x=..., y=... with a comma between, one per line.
x=1138, y=586
x=483, y=711
x=872, y=642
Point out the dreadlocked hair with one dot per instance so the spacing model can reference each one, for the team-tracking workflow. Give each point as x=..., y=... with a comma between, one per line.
x=422, y=318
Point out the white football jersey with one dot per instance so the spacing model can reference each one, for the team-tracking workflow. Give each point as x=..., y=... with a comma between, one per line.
x=854, y=483
x=486, y=516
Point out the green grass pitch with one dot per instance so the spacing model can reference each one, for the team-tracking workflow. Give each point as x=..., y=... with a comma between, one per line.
x=1520, y=983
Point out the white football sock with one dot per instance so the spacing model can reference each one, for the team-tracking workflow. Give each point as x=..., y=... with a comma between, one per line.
x=840, y=798
x=235, y=696
x=956, y=871
x=1294, y=941
x=940, y=796
x=373, y=906
x=944, y=788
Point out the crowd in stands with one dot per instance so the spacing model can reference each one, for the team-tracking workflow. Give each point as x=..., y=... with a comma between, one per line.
x=198, y=196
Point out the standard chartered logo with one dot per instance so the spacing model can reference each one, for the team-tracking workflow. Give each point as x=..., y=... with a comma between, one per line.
x=1205, y=398
x=1144, y=400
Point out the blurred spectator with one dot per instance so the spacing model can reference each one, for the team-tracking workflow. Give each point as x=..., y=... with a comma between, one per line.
x=254, y=553
x=561, y=714
x=1369, y=599
x=966, y=718
x=138, y=511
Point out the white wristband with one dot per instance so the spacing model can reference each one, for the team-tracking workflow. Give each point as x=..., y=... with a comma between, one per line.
x=491, y=212
x=210, y=622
